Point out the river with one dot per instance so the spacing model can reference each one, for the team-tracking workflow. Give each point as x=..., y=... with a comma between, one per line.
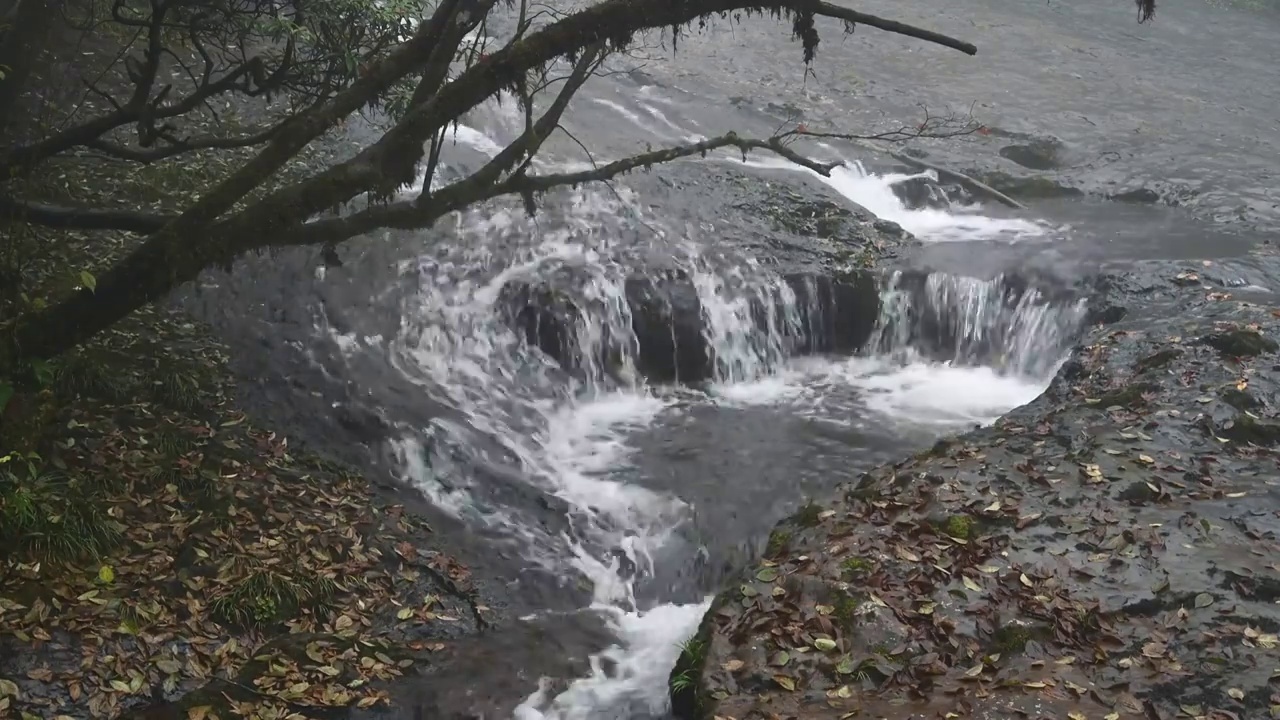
x=608, y=497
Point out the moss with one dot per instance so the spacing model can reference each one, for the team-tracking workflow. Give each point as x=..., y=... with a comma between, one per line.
x=1157, y=360
x=808, y=515
x=854, y=567
x=959, y=526
x=1245, y=429
x=846, y=610
x=1126, y=397
x=1240, y=343
x=1240, y=399
x=1012, y=638
x=1138, y=492
x=778, y=542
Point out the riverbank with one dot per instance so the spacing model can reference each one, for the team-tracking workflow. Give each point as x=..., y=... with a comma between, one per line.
x=1106, y=551
x=168, y=556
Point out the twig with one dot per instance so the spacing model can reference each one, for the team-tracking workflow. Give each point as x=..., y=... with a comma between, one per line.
x=974, y=186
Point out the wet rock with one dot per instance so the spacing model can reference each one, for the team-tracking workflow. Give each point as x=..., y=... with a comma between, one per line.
x=837, y=313
x=1249, y=430
x=921, y=192
x=1108, y=315
x=1042, y=154
x=545, y=316
x=511, y=660
x=666, y=316
x=1157, y=360
x=1029, y=187
x=1104, y=515
x=1240, y=343
x=1137, y=195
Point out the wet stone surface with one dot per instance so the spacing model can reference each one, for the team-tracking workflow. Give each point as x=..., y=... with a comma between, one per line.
x=1109, y=550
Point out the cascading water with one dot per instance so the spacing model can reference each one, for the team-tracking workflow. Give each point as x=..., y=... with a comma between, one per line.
x=528, y=332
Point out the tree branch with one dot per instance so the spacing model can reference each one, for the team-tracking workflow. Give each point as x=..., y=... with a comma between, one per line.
x=613, y=22
x=60, y=216
x=179, y=146
x=474, y=189
x=178, y=252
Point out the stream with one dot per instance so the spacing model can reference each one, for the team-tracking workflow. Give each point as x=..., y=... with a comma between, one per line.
x=606, y=498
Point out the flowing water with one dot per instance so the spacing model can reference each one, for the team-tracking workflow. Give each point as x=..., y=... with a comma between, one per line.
x=632, y=500
x=665, y=487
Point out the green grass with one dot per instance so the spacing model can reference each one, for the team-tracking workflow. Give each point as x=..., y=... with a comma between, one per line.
x=49, y=517
x=268, y=596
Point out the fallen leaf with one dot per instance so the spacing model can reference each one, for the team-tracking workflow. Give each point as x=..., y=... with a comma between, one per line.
x=1204, y=600
x=785, y=682
x=825, y=644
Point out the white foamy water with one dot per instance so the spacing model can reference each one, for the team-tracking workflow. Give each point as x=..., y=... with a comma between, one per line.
x=937, y=395
x=874, y=192
x=565, y=432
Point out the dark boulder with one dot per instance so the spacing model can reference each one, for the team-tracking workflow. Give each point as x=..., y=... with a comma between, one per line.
x=667, y=339
x=921, y=192
x=666, y=316
x=838, y=313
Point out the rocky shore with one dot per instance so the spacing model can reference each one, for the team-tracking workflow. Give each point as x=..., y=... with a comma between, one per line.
x=1107, y=551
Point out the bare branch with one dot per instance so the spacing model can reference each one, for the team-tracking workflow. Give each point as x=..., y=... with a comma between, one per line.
x=58, y=216
x=381, y=166
x=179, y=146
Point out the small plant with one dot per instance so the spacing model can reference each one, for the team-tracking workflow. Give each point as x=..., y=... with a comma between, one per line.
x=684, y=676
x=809, y=515
x=778, y=540
x=959, y=526
x=853, y=567
x=846, y=611
x=50, y=517
x=267, y=596
x=177, y=390
x=79, y=375
x=173, y=444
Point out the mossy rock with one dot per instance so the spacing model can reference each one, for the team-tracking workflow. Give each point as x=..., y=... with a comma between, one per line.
x=1011, y=638
x=808, y=516
x=855, y=567
x=779, y=541
x=959, y=526
x=1035, y=186
x=1157, y=360
x=1129, y=396
x=1138, y=492
x=1241, y=400
x=1247, y=429
x=1240, y=343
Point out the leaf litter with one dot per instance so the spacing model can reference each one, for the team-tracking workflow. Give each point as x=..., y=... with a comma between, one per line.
x=1075, y=560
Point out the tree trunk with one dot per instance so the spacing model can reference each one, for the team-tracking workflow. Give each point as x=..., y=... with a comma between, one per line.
x=166, y=260
x=28, y=29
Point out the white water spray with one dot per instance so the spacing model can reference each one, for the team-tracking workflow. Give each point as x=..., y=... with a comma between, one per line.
x=566, y=433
